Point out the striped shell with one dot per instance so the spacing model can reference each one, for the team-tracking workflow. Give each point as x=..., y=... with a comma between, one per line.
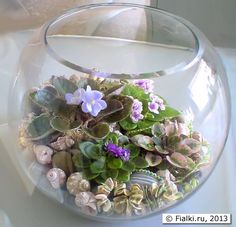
x=143, y=178
x=75, y=183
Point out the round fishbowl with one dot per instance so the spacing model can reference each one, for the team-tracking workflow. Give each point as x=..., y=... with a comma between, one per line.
x=119, y=110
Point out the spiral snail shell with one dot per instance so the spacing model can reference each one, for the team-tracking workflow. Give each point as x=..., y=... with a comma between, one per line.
x=43, y=154
x=56, y=177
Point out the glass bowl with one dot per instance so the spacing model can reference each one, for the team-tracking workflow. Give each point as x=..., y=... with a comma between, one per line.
x=119, y=110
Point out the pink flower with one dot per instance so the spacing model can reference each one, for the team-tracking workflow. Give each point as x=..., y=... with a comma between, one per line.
x=156, y=104
x=146, y=85
x=136, y=111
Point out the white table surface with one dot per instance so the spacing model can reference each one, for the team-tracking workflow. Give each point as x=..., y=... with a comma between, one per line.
x=21, y=206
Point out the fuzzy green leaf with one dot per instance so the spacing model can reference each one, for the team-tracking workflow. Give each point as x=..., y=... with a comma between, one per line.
x=99, y=131
x=134, y=91
x=63, y=85
x=43, y=98
x=122, y=114
x=89, y=175
x=168, y=113
x=128, y=125
x=134, y=150
x=89, y=150
x=123, y=175
x=60, y=124
x=40, y=127
x=63, y=160
x=140, y=163
x=114, y=163
x=98, y=166
x=128, y=166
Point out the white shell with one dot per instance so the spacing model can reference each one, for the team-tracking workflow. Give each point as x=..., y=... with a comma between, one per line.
x=75, y=183
x=43, y=154
x=62, y=143
x=56, y=177
x=86, y=201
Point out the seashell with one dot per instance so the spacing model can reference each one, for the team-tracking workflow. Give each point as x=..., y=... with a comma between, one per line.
x=120, y=189
x=107, y=187
x=103, y=203
x=143, y=178
x=110, y=183
x=120, y=204
x=141, y=210
x=62, y=143
x=135, y=196
x=75, y=183
x=56, y=177
x=87, y=202
x=43, y=154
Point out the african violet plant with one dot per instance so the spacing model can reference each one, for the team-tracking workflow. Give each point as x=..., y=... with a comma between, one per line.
x=101, y=135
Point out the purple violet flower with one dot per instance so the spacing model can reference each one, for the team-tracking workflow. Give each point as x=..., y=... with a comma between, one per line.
x=75, y=98
x=155, y=104
x=117, y=151
x=92, y=101
x=146, y=85
x=136, y=111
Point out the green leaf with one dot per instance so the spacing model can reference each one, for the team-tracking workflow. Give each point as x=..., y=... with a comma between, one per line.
x=134, y=150
x=128, y=166
x=80, y=161
x=112, y=137
x=60, y=124
x=140, y=163
x=114, y=163
x=43, y=98
x=99, y=131
x=89, y=150
x=60, y=108
x=128, y=125
x=145, y=124
x=113, y=173
x=98, y=166
x=134, y=91
x=168, y=113
x=63, y=85
x=122, y=114
x=89, y=175
x=40, y=127
x=123, y=175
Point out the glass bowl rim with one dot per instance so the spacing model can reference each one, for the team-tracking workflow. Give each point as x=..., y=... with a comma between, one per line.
x=184, y=65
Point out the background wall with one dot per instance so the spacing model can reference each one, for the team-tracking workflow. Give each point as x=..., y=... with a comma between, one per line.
x=215, y=18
